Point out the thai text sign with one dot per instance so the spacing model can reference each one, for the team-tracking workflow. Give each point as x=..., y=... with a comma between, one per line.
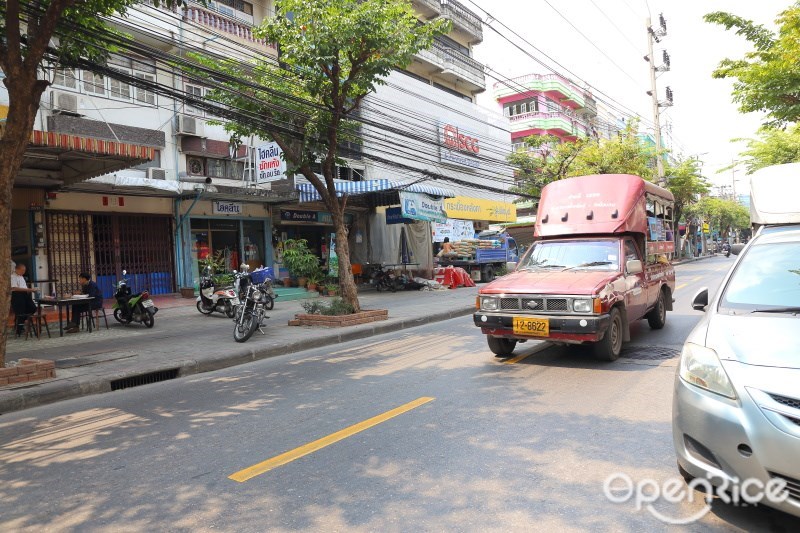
x=226, y=208
x=466, y=208
x=421, y=207
x=270, y=165
x=455, y=230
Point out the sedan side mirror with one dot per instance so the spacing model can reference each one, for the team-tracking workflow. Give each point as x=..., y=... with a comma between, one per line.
x=736, y=249
x=700, y=301
x=634, y=266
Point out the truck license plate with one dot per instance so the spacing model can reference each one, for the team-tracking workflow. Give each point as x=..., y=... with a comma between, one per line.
x=538, y=327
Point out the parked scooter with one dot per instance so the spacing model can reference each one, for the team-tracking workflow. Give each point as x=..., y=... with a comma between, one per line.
x=215, y=299
x=133, y=307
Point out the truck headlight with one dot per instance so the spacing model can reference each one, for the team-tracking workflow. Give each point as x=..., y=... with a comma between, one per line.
x=582, y=306
x=701, y=367
x=489, y=304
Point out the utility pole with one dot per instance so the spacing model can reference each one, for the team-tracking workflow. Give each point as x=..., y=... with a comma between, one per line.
x=656, y=35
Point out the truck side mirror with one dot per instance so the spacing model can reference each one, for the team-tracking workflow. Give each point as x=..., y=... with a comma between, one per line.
x=634, y=266
x=700, y=301
x=736, y=249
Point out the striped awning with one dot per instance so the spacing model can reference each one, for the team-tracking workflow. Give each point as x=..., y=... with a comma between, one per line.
x=91, y=145
x=355, y=188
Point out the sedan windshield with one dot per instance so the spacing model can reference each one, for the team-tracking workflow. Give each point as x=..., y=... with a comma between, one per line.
x=767, y=279
x=573, y=255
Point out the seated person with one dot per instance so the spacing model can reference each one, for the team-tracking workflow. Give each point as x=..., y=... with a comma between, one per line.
x=21, y=298
x=95, y=301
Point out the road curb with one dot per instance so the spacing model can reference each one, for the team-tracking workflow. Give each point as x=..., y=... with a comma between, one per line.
x=59, y=389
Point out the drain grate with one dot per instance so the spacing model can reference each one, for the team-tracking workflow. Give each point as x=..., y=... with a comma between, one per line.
x=649, y=353
x=144, y=379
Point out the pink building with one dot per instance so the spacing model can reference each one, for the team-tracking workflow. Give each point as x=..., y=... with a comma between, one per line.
x=546, y=104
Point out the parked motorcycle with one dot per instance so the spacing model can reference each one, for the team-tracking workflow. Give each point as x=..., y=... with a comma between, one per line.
x=131, y=307
x=212, y=298
x=250, y=314
x=244, y=278
x=388, y=280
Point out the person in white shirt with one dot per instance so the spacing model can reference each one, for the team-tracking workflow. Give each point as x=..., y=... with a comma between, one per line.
x=21, y=299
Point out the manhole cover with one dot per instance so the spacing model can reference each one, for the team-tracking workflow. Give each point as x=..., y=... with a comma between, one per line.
x=649, y=353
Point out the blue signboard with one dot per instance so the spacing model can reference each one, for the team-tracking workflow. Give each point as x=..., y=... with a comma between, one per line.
x=394, y=215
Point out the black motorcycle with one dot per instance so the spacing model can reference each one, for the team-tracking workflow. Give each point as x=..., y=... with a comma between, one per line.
x=131, y=307
x=250, y=314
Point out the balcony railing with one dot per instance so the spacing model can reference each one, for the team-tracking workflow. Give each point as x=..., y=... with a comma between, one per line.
x=463, y=18
x=223, y=23
x=450, y=59
x=431, y=6
x=552, y=120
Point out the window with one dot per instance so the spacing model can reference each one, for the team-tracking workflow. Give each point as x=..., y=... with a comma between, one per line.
x=630, y=251
x=766, y=276
x=66, y=77
x=195, y=91
x=93, y=83
x=119, y=89
x=530, y=105
x=143, y=95
x=238, y=5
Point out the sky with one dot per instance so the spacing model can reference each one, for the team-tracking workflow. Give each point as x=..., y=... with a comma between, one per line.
x=603, y=42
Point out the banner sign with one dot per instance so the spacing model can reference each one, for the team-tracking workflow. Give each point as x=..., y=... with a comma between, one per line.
x=455, y=230
x=466, y=208
x=226, y=208
x=458, y=148
x=333, y=258
x=421, y=207
x=656, y=227
x=270, y=165
x=394, y=215
x=312, y=217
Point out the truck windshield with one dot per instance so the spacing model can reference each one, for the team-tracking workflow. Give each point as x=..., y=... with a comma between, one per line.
x=573, y=255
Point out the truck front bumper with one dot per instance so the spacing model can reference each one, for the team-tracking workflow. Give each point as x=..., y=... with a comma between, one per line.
x=572, y=329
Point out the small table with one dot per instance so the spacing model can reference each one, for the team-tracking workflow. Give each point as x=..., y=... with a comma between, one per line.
x=61, y=303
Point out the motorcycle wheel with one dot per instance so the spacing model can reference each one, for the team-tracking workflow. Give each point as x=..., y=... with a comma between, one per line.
x=203, y=309
x=148, y=319
x=269, y=303
x=118, y=316
x=230, y=311
x=244, y=330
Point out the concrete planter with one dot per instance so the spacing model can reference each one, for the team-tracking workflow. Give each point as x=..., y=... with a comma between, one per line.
x=27, y=370
x=364, y=317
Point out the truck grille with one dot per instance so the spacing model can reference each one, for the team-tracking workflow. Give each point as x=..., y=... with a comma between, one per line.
x=509, y=304
x=533, y=304
x=556, y=304
x=538, y=304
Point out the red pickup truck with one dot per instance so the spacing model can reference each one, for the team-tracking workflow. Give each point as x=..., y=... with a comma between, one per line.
x=601, y=260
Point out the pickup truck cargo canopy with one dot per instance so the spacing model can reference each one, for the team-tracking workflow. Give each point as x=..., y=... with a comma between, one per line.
x=596, y=204
x=774, y=193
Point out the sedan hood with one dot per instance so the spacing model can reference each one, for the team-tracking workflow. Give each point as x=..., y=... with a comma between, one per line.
x=763, y=340
x=580, y=282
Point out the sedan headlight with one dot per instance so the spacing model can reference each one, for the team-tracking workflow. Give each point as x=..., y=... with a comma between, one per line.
x=701, y=367
x=489, y=304
x=582, y=306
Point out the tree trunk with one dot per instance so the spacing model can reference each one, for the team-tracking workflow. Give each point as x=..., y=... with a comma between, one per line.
x=347, y=284
x=23, y=105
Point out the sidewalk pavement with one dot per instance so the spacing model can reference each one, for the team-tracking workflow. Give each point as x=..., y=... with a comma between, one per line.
x=183, y=339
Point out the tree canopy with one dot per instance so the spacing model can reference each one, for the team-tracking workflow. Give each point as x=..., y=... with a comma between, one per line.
x=768, y=78
x=726, y=215
x=774, y=146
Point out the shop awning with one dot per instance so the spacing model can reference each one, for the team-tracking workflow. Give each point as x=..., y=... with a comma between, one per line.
x=356, y=188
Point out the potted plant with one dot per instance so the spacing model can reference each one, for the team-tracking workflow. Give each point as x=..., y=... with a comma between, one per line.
x=314, y=279
x=299, y=260
x=332, y=288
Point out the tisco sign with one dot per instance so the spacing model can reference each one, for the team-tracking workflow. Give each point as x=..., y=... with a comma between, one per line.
x=458, y=141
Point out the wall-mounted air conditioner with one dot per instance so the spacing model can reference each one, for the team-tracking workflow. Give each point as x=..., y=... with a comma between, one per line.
x=154, y=173
x=191, y=126
x=61, y=102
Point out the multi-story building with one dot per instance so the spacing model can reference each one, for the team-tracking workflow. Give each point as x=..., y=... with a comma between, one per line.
x=118, y=177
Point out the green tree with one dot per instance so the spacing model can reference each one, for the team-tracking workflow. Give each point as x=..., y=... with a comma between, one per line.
x=333, y=55
x=768, y=78
x=726, y=215
x=26, y=30
x=773, y=147
x=548, y=160
x=687, y=184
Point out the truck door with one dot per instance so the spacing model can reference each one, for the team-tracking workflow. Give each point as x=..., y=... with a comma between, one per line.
x=635, y=285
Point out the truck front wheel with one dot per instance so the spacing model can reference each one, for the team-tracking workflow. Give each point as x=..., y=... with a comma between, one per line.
x=501, y=347
x=610, y=347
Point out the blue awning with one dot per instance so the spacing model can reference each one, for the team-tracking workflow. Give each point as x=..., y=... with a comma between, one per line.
x=354, y=188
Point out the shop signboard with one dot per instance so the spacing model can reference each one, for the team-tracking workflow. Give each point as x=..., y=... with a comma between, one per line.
x=270, y=165
x=226, y=208
x=457, y=147
x=312, y=217
x=394, y=215
x=466, y=208
x=455, y=230
x=705, y=227
x=421, y=207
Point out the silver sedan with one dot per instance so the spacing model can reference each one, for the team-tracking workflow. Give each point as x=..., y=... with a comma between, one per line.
x=736, y=408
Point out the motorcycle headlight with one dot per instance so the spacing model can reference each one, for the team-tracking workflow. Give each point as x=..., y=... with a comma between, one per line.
x=582, y=306
x=488, y=304
x=701, y=367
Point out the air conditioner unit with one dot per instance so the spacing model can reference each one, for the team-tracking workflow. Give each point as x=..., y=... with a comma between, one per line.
x=154, y=173
x=191, y=126
x=62, y=102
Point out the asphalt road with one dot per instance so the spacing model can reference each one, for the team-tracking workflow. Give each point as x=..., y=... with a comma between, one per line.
x=417, y=430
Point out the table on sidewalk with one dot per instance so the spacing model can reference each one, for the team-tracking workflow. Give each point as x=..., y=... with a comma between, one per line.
x=61, y=303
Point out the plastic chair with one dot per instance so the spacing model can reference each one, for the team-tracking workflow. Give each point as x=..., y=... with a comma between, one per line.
x=357, y=269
